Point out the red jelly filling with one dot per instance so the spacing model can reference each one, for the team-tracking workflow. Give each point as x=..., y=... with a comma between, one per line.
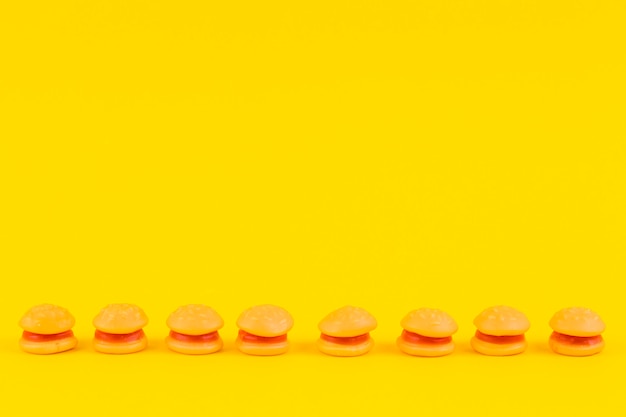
x=36, y=337
x=499, y=340
x=203, y=338
x=419, y=339
x=354, y=340
x=576, y=340
x=252, y=338
x=119, y=338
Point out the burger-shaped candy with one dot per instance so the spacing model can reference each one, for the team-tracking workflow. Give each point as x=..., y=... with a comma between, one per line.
x=427, y=332
x=346, y=332
x=263, y=330
x=500, y=331
x=119, y=329
x=47, y=329
x=577, y=332
x=194, y=330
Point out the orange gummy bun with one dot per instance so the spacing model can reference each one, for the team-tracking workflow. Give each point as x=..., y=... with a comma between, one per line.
x=346, y=332
x=119, y=329
x=47, y=330
x=263, y=330
x=194, y=330
x=576, y=332
x=427, y=332
x=500, y=331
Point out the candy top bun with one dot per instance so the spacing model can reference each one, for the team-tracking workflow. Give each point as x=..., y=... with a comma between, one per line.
x=502, y=321
x=120, y=319
x=347, y=321
x=47, y=319
x=265, y=321
x=577, y=321
x=195, y=320
x=429, y=322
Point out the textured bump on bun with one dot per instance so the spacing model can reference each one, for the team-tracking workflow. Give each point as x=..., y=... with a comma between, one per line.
x=428, y=350
x=50, y=347
x=502, y=321
x=120, y=319
x=429, y=322
x=47, y=319
x=347, y=321
x=265, y=320
x=496, y=349
x=336, y=349
x=117, y=348
x=577, y=350
x=194, y=348
x=195, y=320
x=577, y=321
x=262, y=349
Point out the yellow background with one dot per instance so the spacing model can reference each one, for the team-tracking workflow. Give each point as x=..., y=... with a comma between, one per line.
x=311, y=154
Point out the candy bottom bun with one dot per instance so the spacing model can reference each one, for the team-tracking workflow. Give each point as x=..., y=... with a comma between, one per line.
x=120, y=348
x=262, y=349
x=48, y=348
x=430, y=350
x=194, y=348
x=569, y=350
x=497, y=349
x=336, y=349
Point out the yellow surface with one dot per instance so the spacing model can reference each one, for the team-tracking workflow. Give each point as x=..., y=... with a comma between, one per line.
x=311, y=154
